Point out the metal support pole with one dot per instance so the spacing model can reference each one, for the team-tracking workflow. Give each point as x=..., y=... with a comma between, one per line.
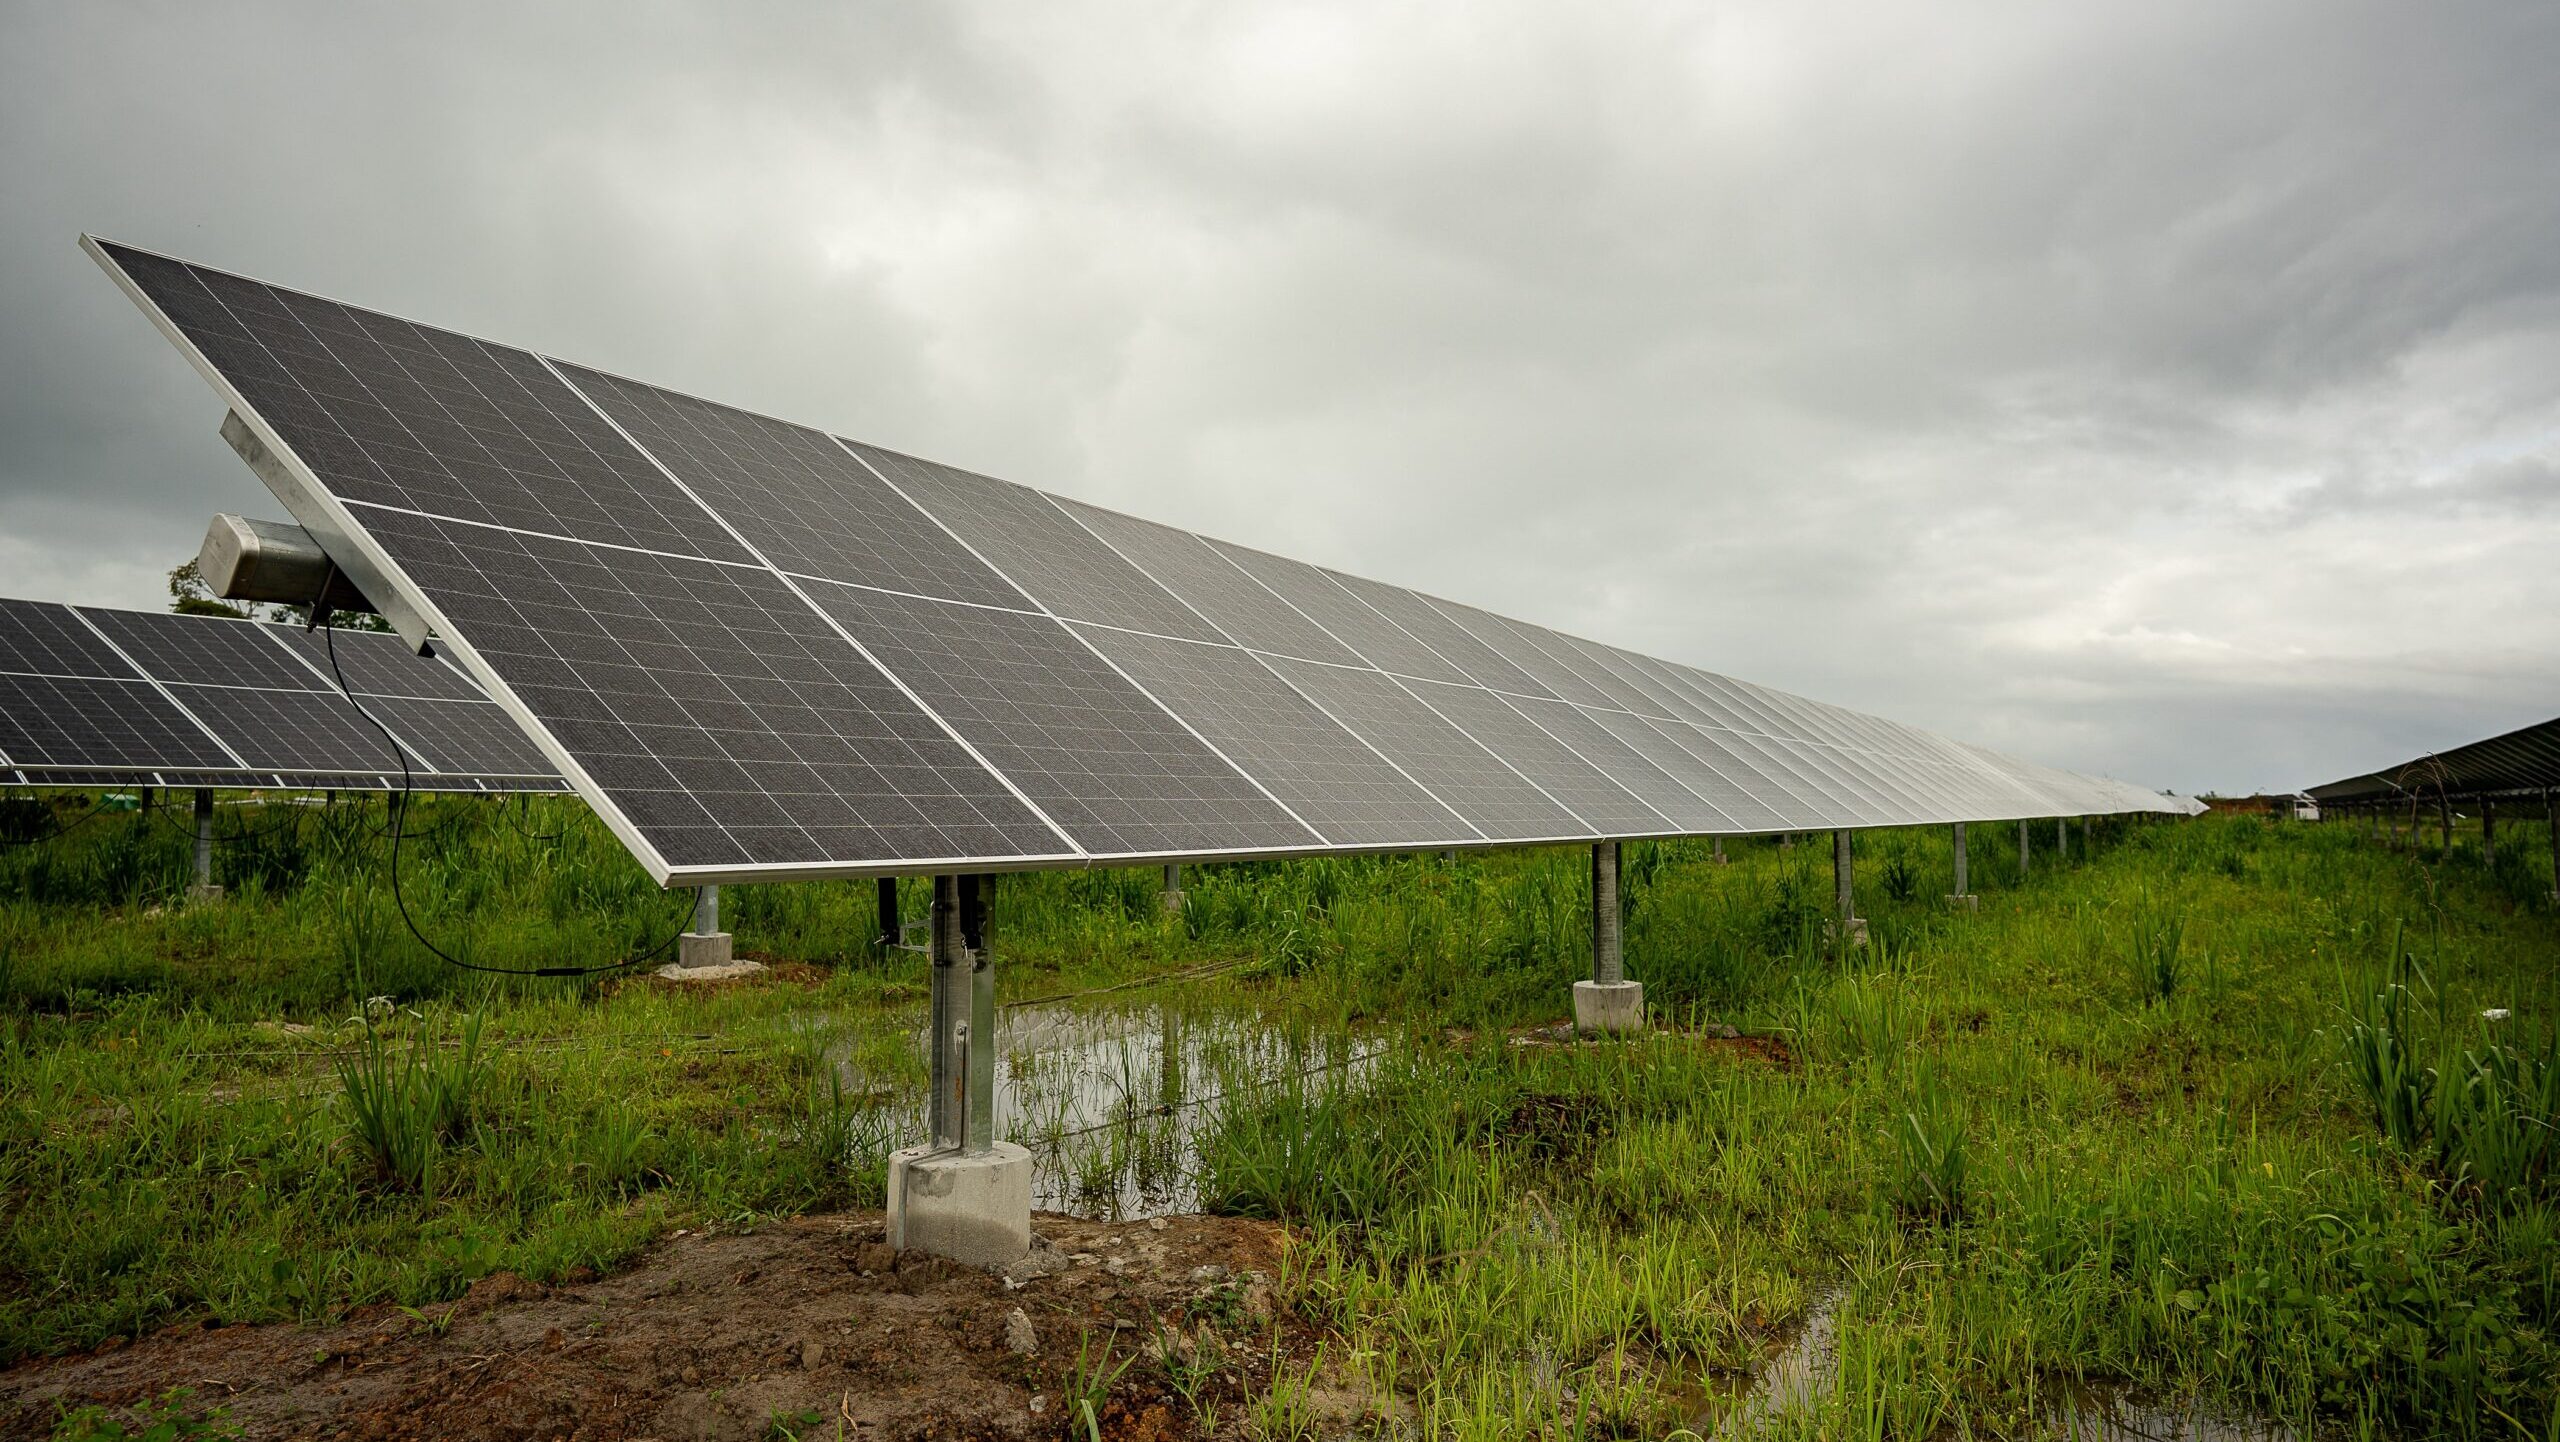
x=1841, y=868
x=204, y=840
x=2086, y=850
x=2444, y=819
x=706, y=909
x=1171, y=896
x=1608, y=965
x=2022, y=849
x=2489, y=830
x=974, y=894
x=1717, y=854
x=1962, y=885
x=891, y=929
x=947, y=1105
x=2062, y=838
x=2551, y=809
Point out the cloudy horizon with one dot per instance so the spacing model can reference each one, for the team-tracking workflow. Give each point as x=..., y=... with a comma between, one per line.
x=2167, y=392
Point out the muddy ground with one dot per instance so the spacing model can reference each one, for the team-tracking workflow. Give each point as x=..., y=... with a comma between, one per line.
x=812, y=1323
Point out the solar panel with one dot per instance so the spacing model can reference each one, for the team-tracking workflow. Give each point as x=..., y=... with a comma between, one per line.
x=2512, y=763
x=95, y=696
x=760, y=649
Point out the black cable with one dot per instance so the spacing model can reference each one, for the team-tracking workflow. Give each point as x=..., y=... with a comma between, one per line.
x=329, y=634
x=507, y=808
x=59, y=830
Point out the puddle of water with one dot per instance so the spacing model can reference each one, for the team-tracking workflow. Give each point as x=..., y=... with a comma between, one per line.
x=1807, y=1365
x=1115, y=1099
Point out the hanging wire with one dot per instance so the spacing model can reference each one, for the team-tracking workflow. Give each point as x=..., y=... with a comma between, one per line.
x=324, y=618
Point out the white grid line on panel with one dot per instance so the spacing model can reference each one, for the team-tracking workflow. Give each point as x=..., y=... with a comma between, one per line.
x=154, y=682
x=1090, y=649
x=329, y=687
x=1391, y=676
x=829, y=620
x=1265, y=662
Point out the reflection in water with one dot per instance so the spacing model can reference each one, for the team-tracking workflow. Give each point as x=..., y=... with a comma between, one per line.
x=1114, y=1101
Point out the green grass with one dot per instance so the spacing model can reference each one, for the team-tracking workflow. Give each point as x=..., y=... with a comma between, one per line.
x=2156, y=1116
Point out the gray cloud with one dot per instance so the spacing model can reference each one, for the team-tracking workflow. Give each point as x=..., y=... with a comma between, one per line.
x=2167, y=390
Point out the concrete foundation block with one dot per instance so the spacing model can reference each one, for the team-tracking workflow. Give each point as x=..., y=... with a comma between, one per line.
x=1856, y=929
x=207, y=891
x=1608, y=1007
x=973, y=1207
x=705, y=956
x=1171, y=901
x=1966, y=902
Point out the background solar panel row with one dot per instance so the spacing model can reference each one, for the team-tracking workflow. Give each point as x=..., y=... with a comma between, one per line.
x=2525, y=760
x=772, y=649
x=91, y=696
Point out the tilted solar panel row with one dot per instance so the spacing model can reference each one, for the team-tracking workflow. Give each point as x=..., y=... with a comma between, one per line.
x=762, y=650
x=93, y=696
x=2524, y=761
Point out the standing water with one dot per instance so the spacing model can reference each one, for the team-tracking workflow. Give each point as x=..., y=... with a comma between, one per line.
x=1115, y=1100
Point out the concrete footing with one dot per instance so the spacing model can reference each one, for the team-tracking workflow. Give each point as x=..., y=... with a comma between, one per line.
x=1965, y=903
x=706, y=958
x=204, y=891
x=973, y=1207
x=1606, y=1008
x=1854, y=926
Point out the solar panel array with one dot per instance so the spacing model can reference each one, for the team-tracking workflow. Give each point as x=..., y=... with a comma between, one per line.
x=763, y=650
x=2523, y=761
x=90, y=696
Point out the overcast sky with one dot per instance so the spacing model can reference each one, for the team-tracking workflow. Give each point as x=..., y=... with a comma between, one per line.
x=2166, y=390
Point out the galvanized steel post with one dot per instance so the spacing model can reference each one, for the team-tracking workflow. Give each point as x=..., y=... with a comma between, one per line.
x=204, y=840
x=1841, y=868
x=891, y=929
x=706, y=909
x=947, y=1104
x=2022, y=849
x=1963, y=887
x=1170, y=898
x=2551, y=808
x=1608, y=966
x=974, y=892
x=2489, y=830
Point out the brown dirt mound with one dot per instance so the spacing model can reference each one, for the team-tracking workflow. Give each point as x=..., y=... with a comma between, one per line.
x=812, y=1321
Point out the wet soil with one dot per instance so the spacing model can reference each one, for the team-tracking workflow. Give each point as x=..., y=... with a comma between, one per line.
x=812, y=1322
